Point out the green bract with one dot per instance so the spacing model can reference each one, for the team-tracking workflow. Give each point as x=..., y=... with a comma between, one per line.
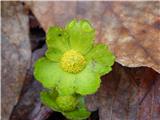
x=79, y=113
x=72, y=65
x=77, y=37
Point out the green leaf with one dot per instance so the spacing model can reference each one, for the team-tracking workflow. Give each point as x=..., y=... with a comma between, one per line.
x=100, y=68
x=81, y=35
x=102, y=59
x=57, y=38
x=66, y=85
x=54, y=54
x=80, y=113
x=47, y=72
x=87, y=81
x=49, y=100
x=101, y=54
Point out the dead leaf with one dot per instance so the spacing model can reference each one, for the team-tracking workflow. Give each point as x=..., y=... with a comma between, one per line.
x=16, y=54
x=127, y=94
x=131, y=29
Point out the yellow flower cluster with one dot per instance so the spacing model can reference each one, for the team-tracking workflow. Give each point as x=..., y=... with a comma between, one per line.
x=72, y=61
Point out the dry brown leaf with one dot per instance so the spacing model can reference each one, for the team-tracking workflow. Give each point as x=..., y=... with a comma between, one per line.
x=16, y=54
x=131, y=29
x=127, y=94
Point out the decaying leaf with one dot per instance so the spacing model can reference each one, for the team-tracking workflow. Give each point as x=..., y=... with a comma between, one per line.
x=16, y=54
x=127, y=94
x=131, y=29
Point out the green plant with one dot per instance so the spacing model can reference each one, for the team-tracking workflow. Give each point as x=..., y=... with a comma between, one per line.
x=71, y=68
